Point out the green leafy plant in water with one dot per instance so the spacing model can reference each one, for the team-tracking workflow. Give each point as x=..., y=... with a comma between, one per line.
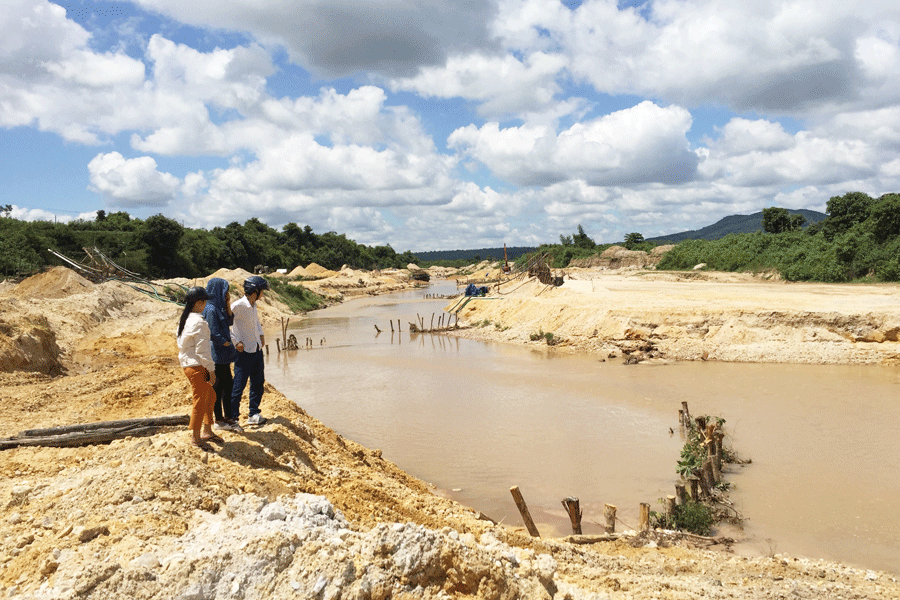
x=692, y=517
x=692, y=455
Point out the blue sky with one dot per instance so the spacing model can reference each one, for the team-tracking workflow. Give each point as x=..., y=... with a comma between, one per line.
x=443, y=124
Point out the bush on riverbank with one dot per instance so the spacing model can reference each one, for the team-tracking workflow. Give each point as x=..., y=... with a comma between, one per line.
x=860, y=240
x=297, y=297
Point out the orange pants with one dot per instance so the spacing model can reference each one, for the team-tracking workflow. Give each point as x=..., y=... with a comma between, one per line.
x=204, y=398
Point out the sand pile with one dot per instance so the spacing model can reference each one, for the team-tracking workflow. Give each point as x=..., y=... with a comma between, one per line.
x=315, y=270
x=27, y=344
x=57, y=282
x=349, y=282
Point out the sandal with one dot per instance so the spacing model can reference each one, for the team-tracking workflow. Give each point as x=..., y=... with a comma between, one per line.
x=213, y=438
x=202, y=445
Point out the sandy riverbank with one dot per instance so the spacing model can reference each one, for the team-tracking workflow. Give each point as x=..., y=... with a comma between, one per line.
x=290, y=509
x=694, y=316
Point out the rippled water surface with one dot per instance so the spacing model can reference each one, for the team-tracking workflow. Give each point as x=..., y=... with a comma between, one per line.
x=475, y=418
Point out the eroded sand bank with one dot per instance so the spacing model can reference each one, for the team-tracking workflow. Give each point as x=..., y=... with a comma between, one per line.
x=693, y=316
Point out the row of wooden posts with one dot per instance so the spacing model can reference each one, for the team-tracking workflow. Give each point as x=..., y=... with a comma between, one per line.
x=289, y=342
x=698, y=486
x=443, y=322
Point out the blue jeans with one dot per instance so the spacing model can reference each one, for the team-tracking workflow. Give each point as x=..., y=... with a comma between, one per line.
x=247, y=365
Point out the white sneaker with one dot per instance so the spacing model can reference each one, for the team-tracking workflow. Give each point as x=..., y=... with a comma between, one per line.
x=256, y=419
x=236, y=428
x=221, y=426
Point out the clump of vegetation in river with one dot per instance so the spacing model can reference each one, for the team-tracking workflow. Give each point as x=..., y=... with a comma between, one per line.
x=710, y=504
x=693, y=517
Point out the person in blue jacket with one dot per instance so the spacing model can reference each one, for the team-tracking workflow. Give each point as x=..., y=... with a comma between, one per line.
x=220, y=319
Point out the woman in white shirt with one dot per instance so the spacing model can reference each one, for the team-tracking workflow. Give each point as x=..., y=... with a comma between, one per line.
x=195, y=356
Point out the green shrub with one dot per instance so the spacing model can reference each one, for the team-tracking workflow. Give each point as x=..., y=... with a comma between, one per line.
x=297, y=297
x=692, y=517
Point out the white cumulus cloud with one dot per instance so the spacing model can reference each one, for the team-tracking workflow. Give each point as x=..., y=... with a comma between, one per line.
x=645, y=143
x=131, y=182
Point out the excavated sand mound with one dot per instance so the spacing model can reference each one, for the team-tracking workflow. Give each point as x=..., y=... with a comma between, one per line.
x=58, y=282
x=617, y=257
x=316, y=270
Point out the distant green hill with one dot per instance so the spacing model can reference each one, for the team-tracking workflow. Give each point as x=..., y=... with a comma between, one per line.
x=474, y=255
x=732, y=224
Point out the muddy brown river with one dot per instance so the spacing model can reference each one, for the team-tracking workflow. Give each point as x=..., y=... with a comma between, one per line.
x=475, y=418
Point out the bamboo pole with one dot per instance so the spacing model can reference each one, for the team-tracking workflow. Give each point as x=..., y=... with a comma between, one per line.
x=278, y=345
x=687, y=414
x=523, y=510
x=644, y=517
x=571, y=506
x=392, y=325
x=609, y=511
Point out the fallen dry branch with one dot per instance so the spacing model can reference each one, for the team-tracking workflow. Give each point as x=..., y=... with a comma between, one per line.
x=591, y=539
x=166, y=421
x=92, y=433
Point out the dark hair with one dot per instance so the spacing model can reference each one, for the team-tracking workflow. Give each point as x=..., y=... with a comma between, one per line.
x=194, y=295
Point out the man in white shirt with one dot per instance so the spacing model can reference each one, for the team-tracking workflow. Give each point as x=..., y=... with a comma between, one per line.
x=248, y=339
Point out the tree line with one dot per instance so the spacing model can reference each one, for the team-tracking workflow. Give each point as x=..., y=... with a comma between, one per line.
x=859, y=239
x=159, y=247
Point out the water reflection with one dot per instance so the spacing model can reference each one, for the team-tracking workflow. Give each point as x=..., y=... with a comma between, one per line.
x=482, y=417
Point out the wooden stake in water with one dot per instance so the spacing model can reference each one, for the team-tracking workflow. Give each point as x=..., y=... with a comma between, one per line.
x=523, y=510
x=609, y=511
x=680, y=493
x=695, y=487
x=670, y=505
x=644, y=517
x=571, y=506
